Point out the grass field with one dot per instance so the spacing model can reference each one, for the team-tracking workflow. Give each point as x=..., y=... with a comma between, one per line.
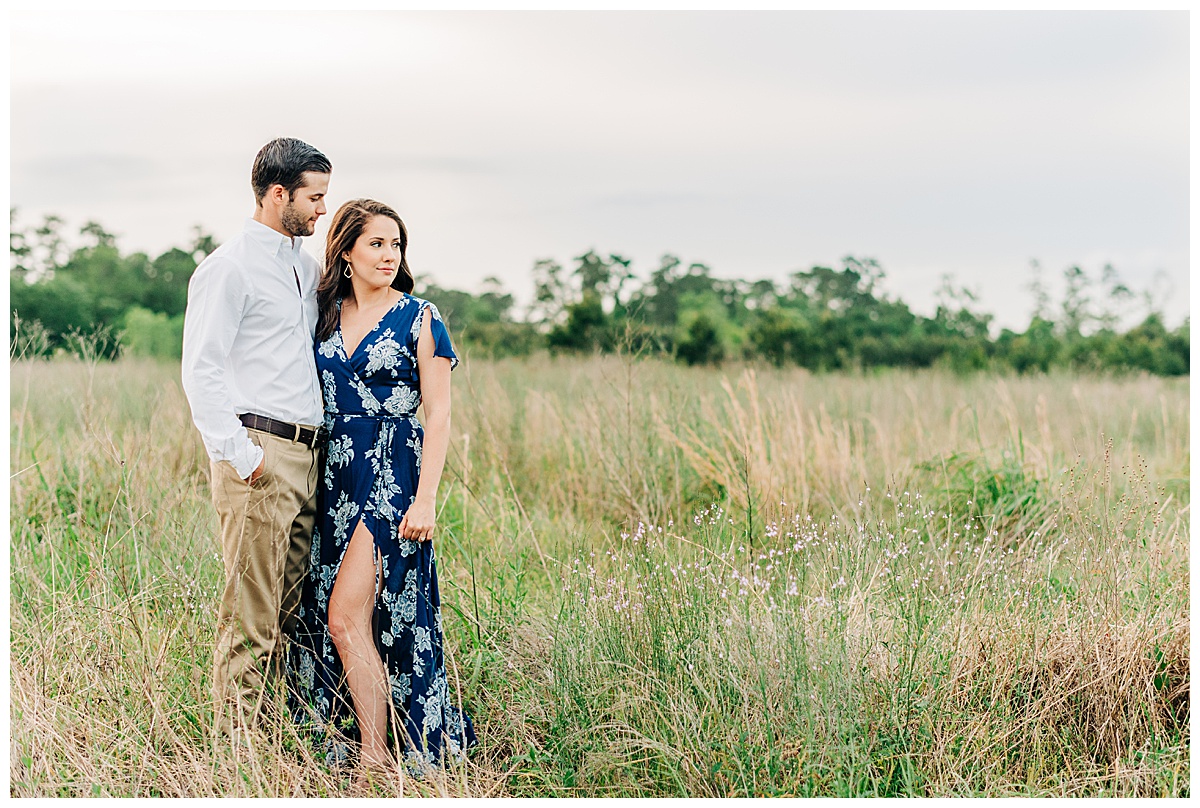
x=659, y=581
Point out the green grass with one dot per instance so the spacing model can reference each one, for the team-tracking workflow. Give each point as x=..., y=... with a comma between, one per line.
x=659, y=581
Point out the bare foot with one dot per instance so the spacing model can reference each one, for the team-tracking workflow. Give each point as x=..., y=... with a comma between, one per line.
x=372, y=773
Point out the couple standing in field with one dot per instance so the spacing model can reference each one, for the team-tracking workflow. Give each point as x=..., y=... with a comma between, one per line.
x=304, y=382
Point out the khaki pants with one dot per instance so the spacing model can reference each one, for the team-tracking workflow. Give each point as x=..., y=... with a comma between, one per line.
x=266, y=534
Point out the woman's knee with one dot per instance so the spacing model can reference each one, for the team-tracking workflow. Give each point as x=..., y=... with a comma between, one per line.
x=346, y=626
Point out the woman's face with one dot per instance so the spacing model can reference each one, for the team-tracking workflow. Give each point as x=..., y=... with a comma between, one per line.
x=375, y=257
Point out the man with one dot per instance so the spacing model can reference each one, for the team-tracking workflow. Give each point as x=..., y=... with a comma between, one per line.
x=251, y=381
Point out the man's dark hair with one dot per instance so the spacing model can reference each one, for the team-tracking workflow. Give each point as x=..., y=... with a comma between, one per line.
x=283, y=161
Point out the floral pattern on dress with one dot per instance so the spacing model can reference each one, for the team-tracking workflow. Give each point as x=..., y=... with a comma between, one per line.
x=371, y=471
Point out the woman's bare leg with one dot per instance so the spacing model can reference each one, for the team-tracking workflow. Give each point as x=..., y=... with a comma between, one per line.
x=351, y=607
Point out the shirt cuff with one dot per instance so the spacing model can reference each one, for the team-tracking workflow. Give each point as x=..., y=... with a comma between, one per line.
x=245, y=463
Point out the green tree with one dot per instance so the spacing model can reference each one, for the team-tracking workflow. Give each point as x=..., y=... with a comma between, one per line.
x=958, y=334
x=152, y=333
x=550, y=293
x=783, y=335
x=61, y=305
x=700, y=343
x=585, y=328
x=1076, y=306
x=1034, y=350
x=165, y=281
x=482, y=324
x=96, y=236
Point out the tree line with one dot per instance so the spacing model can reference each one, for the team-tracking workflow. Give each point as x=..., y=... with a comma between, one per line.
x=821, y=318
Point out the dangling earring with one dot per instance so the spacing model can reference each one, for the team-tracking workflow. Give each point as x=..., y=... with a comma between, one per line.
x=348, y=273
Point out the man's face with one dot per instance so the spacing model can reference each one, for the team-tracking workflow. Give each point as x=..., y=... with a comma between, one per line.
x=299, y=216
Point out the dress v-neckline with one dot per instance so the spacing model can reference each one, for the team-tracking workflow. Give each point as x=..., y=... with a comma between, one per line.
x=373, y=329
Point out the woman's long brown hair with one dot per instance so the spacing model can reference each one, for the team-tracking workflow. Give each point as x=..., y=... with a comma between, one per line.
x=348, y=224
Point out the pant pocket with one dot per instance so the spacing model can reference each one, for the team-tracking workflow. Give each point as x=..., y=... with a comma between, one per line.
x=264, y=443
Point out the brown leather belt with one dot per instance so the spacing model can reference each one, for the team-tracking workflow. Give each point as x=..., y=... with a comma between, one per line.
x=293, y=432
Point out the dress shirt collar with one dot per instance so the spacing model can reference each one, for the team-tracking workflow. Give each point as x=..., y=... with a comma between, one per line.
x=274, y=242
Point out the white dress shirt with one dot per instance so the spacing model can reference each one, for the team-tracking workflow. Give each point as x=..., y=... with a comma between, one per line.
x=248, y=341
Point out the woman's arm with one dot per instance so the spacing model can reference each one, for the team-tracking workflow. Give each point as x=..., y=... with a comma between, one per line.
x=434, y=372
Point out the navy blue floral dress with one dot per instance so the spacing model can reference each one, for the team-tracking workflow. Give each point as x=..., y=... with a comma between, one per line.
x=371, y=471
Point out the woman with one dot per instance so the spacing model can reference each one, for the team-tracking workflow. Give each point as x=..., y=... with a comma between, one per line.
x=369, y=648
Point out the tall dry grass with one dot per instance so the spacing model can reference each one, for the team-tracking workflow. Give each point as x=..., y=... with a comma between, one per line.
x=658, y=581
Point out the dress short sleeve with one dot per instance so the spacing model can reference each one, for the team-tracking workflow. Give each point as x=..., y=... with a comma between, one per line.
x=442, y=346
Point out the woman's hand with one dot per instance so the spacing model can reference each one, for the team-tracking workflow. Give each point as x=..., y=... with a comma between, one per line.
x=418, y=521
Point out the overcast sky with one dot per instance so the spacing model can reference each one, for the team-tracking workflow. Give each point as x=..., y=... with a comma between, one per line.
x=758, y=143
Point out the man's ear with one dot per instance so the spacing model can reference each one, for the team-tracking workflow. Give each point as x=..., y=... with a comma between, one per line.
x=277, y=194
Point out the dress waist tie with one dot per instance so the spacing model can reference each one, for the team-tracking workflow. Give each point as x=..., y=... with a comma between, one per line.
x=381, y=447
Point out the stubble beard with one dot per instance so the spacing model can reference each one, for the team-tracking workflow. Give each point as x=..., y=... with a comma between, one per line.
x=294, y=223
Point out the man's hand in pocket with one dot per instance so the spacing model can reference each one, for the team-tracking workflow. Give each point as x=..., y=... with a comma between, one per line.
x=258, y=472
